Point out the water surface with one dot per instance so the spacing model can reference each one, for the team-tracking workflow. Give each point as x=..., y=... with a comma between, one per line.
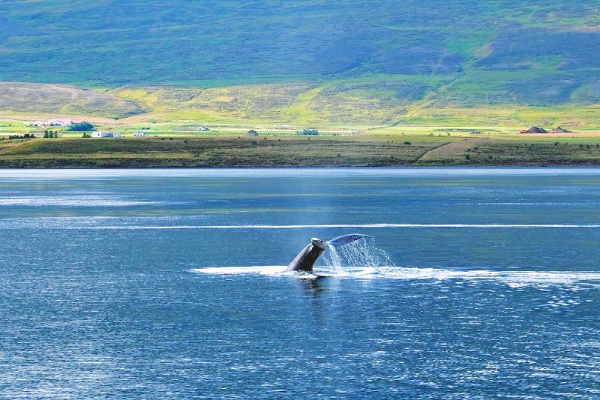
x=167, y=284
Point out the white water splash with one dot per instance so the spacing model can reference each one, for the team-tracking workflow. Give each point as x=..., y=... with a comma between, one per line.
x=514, y=279
x=355, y=257
x=361, y=259
x=511, y=278
x=73, y=201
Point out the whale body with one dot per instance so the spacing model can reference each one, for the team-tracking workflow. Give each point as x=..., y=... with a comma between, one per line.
x=305, y=260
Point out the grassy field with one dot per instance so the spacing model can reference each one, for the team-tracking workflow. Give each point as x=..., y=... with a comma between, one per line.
x=29, y=98
x=232, y=151
x=350, y=105
x=209, y=152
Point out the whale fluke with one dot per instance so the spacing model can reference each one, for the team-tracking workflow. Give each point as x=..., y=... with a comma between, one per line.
x=305, y=260
x=345, y=239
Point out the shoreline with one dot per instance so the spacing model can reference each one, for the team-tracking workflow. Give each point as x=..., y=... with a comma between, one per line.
x=42, y=166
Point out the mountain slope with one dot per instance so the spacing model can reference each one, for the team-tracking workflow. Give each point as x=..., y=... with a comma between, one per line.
x=19, y=97
x=454, y=54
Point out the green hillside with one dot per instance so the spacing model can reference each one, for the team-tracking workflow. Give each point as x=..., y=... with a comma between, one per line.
x=19, y=97
x=348, y=61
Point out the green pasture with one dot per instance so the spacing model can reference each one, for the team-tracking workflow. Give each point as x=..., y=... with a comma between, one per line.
x=376, y=150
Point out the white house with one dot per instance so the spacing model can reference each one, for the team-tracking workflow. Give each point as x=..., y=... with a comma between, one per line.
x=106, y=135
x=52, y=122
x=60, y=122
x=139, y=134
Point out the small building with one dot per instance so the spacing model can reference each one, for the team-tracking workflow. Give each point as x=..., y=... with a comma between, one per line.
x=60, y=122
x=106, y=135
x=559, y=129
x=203, y=128
x=252, y=132
x=139, y=134
x=533, y=129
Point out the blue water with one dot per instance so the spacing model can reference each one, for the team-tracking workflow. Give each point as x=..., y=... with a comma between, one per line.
x=169, y=284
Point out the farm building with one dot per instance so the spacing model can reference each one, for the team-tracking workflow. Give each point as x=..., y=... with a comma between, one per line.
x=139, y=134
x=107, y=135
x=52, y=122
x=60, y=122
x=559, y=129
x=533, y=129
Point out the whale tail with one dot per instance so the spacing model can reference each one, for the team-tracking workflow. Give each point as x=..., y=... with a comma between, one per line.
x=305, y=260
x=345, y=239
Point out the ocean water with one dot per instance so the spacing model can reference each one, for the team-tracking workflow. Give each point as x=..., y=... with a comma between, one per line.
x=477, y=284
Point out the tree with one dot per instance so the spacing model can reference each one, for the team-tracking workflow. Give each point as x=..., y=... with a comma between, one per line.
x=309, y=132
x=25, y=136
x=50, y=134
x=82, y=127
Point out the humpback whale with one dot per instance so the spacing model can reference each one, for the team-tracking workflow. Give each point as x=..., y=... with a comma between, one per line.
x=305, y=260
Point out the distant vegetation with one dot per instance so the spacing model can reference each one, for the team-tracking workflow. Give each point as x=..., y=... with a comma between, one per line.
x=308, y=132
x=25, y=136
x=81, y=127
x=50, y=135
